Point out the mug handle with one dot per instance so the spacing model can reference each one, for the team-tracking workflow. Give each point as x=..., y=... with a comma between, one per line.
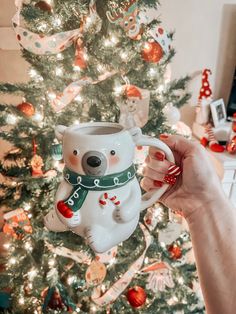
x=149, y=198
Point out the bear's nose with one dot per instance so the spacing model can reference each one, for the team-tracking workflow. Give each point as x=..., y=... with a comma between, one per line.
x=94, y=161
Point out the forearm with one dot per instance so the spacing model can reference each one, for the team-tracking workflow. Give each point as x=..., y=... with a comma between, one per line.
x=213, y=232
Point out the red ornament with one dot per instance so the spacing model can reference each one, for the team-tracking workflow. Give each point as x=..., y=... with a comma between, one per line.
x=26, y=108
x=152, y=52
x=175, y=251
x=136, y=296
x=44, y=6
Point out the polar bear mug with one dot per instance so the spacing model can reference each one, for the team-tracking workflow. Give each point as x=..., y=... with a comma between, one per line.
x=99, y=197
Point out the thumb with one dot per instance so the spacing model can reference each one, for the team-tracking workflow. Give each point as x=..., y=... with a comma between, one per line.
x=178, y=143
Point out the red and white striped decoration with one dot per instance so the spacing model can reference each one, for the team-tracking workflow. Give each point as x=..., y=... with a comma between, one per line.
x=174, y=170
x=210, y=133
x=107, y=197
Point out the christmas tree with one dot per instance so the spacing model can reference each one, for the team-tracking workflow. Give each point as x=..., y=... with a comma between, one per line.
x=90, y=61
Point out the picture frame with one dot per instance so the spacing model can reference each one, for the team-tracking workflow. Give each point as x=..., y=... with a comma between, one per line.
x=218, y=112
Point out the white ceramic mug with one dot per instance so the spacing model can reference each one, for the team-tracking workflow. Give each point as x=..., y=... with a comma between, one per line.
x=100, y=197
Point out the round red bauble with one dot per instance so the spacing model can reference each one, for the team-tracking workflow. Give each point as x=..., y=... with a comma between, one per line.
x=136, y=296
x=152, y=52
x=44, y=6
x=26, y=108
x=175, y=251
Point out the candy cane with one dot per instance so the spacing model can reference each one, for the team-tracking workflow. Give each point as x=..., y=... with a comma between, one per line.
x=105, y=197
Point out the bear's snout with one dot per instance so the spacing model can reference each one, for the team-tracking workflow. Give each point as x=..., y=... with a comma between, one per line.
x=94, y=163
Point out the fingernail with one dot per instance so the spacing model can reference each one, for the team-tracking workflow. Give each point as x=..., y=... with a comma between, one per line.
x=164, y=136
x=170, y=179
x=157, y=183
x=174, y=170
x=159, y=156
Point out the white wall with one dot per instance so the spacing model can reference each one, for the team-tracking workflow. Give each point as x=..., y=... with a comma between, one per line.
x=205, y=37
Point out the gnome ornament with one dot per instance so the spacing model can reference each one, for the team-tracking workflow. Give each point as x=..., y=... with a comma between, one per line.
x=203, y=111
x=204, y=99
x=134, y=110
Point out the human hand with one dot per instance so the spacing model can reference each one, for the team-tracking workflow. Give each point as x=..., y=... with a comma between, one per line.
x=195, y=183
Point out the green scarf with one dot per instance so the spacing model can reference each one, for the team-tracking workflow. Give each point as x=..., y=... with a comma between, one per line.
x=82, y=184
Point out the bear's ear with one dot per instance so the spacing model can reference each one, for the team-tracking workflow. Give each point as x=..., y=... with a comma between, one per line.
x=59, y=131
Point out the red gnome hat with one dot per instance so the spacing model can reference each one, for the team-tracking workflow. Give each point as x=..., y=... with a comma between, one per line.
x=205, y=91
x=132, y=91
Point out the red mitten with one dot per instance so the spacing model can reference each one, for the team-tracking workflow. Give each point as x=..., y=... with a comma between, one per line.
x=64, y=209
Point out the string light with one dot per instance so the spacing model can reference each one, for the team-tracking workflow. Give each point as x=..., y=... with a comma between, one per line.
x=181, y=280
x=60, y=56
x=37, y=117
x=7, y=245
x=27, y=206
x=28, y=246
x=56, y=21
x=52, y=95
x=51, y=262
x=160, y=88
x=76, y=122
x=71, y=279
x=78, y=98
x=124, y=55
x=42, y=26
x=114, y=39
x=32, y=274
x=21, y=301
x=152, y=72
x=76, y=68
x=33, y=73
x=59, y=71
x=118, y=89
x=11, y=119
x=12, y=261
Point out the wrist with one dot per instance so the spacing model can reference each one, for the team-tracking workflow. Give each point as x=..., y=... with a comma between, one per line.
x=209, y=202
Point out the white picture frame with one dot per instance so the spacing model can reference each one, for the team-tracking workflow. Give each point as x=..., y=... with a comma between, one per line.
x=218, y=112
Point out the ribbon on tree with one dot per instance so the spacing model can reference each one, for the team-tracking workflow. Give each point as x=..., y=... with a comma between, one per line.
x=118, y=287
x=53, y=44
x=73, y=89
x=79, y=257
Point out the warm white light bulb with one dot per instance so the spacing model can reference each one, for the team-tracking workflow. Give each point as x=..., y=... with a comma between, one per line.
x=181, y=280
x=37, y=117
x=76, y=68
x=124, y=55
x=71, y=279
x=152, y=72
x=57, y=21
x=118, y=89
x=12, y=261
x=32, y=274
x=52, y=95
x=33, y=73
x=21, y=301
x=27, y=206
x=60, y=56
x=59, y=71
x=78, y=98
x=11, y=119
x=28, y=246
x=160, y=88
x=42, y=27
x=51, y=262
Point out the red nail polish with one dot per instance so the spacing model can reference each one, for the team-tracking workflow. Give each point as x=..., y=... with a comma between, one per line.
x=157, y=183
x=170, y=179
x=159, y=156
x=164, y=136
x=174, y=170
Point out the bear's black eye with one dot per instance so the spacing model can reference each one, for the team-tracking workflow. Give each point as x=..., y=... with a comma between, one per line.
x=75, y=152
x=112, y=152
